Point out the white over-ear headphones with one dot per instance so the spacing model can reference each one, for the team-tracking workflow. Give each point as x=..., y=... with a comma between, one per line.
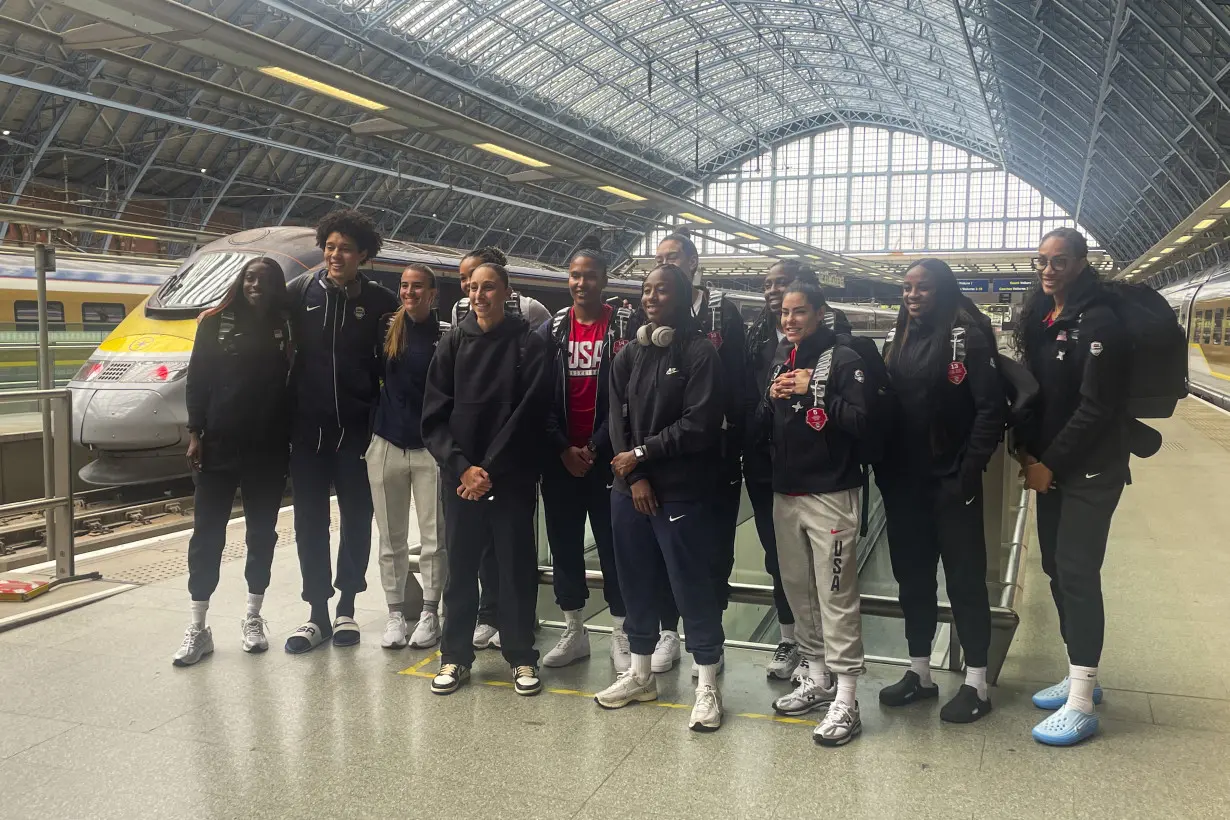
x=656, y=335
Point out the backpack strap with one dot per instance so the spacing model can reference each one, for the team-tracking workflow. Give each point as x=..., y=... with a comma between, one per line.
x=462, y=308
x=830, y=319
x=559, y=327
x=226, y=326
x=512, y=305
x=958, y=343
x=892, y=334
x=622, y=322
x=715, y=310
x=820, y=377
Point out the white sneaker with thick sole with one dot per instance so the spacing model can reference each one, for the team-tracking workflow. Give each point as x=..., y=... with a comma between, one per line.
x=254, y=638
x=394, y=632
x=808, y=696
x=573, y=645
x=707, y=711
x=841, y=724
x=486, y=635
x=786, y=659
x=426, y=631
x=621, y=651
x=526, y=680
x=198, y=642
x=627, y=689
x=721, y=665
x=667, y=653
x=449, y=678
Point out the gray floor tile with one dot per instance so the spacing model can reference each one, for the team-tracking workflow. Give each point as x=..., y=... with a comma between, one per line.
x=21, y=732
x=1191, y=713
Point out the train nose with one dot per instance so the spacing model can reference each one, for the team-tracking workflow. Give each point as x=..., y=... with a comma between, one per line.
x=130, y=418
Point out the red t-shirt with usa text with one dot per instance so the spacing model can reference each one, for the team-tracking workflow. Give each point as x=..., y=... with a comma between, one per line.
x=584, y=362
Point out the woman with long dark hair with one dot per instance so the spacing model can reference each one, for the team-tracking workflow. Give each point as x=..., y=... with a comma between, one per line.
x=1075, y=456
x=399, y=466
x=666, y=415
x=948, y=423
x=238, y=440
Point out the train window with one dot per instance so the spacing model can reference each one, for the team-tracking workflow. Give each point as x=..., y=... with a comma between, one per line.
x=203, y=283
x=1208, y=327
x=1197, y=325
x=25, y=312
x=101, y=315
x=1218, y=316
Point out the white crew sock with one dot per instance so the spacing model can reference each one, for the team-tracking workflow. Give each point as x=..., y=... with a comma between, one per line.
x=575, y=619
x=707, y=675
x=846, y=685
x=922, y=668
x=254, y=603
x=976, y=676
x=819, y=674
x=199, y=608
x=787, y=633
x=1082, y=680
x=642, y=666
x=618, y=620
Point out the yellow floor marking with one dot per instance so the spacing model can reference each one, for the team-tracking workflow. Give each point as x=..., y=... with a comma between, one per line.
x=417, y=671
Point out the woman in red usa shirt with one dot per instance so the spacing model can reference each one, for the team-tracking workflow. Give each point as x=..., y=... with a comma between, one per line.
x=577, y=481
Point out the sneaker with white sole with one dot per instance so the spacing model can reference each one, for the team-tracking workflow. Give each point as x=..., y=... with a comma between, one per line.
x=572, y=646
x=254, y=638
x=426, y=631
x=198, y=642
x=449, y=678
x=486, y=635
x=808, y=696
x=801, y=672
x=721, y=665
x=626, y=689
x=394, y=632
x=667, y=653
x=526, y=681
x=621, y=651
x=786, y=659
x=707, y=711
x=841, y=724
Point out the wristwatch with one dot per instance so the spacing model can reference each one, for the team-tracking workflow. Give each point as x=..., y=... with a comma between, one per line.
x=639, y=452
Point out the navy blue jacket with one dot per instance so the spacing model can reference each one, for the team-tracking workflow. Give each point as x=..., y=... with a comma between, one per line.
x=557, y=413
x=336, y=375
x=399, y=415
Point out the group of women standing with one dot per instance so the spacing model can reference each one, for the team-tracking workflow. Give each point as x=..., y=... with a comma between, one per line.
x=626, y=424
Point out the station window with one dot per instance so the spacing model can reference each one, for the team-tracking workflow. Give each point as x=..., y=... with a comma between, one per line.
x=25, y=312
x=1218, y=316
x=101, y=315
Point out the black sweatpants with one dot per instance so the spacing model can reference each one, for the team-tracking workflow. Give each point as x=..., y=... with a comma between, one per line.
x=503, y=522
x=489, y=586
x=670, y=550
x=929, y=520
x=760, y=493
x=312, y=472
x=261, y=487
x=725, y=512
x=1073, y=525
x=566, y=501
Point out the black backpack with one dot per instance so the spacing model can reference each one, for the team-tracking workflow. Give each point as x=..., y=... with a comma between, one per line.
x=1157, y=376
x=872, y=446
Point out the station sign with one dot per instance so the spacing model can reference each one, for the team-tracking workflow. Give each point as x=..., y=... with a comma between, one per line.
x=974, y=285
x=833, y=280
x=1015, y=285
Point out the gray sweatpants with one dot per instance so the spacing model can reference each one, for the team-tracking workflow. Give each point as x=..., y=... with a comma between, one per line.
x=395, y=474
x=816, y=536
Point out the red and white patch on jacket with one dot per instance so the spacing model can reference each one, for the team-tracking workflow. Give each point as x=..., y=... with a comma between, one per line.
x=617, y=346
x=817, y=418
x=956, y=372
x=715, y=338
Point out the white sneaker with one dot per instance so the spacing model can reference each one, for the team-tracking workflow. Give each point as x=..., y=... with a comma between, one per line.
x=573, y=646
x=707, y=712
x=426, y=631
x=786, y=659
x=627, y=689
x=526, y=680
x=254, y=639
x=801, y=672
x=621, y=651
x=394, y=632
x=807, y=697
x=841, y=724
x=721, y=665
x=449, y=678
x=667, y=653
x=486, y=635
x=198, y=642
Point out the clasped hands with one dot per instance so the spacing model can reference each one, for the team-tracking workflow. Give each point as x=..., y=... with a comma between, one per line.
x=790, y=383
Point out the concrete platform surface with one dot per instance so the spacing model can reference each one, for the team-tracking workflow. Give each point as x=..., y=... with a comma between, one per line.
x=96, y=723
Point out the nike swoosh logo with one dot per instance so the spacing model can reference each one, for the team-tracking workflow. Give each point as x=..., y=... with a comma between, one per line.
x=313, y=307
x=975, y=711
x=834, y=532
x=736, y=481
x=971, y=501
x=675, y=518
x=1092, y=475
x=609, y=486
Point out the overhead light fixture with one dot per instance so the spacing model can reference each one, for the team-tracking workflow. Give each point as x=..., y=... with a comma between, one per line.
x=1205, y=223
x=747, y=236
x=1183, y=239
x=508, y=153
x=204, y=170
x=127, y=235
x=1167, y=250
x=611, y=189
x=691, y=217
x=783, y=247
x=6, y=132
x=788, y=255
x=1154, y=258
x=322, y=88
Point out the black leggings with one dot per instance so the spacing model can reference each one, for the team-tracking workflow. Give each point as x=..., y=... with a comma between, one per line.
x=929, y=521
x=1073, y=525
x=261, y=487
x=761, y=495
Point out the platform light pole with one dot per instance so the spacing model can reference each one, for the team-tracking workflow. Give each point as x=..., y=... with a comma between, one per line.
x=45, y=260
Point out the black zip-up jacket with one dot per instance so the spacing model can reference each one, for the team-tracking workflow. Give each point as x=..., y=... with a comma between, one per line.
x=399, y=415
x=1081, y=362
x=557, y=412
x=667, y=401
x=729, y=337
x=237, y=392
x=758, y=446
x=944, y=429
x=336, y=375
x=485, y=401
x=810, y=461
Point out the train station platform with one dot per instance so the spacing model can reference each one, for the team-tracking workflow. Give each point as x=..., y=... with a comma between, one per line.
x=95, y=722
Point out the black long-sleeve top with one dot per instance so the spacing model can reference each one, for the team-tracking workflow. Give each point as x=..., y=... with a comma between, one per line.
x=399, y=412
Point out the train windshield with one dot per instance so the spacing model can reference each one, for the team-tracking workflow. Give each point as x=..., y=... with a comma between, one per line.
x=202, y=284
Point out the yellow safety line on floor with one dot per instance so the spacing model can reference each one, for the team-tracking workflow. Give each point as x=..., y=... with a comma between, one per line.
x=417, y=671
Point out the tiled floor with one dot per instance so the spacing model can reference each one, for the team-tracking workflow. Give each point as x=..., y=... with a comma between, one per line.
x=96, y=723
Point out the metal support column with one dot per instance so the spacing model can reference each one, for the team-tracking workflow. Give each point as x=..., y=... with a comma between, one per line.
x=45, y=260
x=60, y=536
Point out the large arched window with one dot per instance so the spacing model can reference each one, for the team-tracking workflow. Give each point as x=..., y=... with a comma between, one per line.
x=867, y=190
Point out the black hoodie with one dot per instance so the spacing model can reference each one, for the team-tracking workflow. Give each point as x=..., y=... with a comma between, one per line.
x=486, y=399
x=668, y=400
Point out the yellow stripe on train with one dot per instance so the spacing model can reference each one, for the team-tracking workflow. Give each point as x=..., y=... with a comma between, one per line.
x=141, y=334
